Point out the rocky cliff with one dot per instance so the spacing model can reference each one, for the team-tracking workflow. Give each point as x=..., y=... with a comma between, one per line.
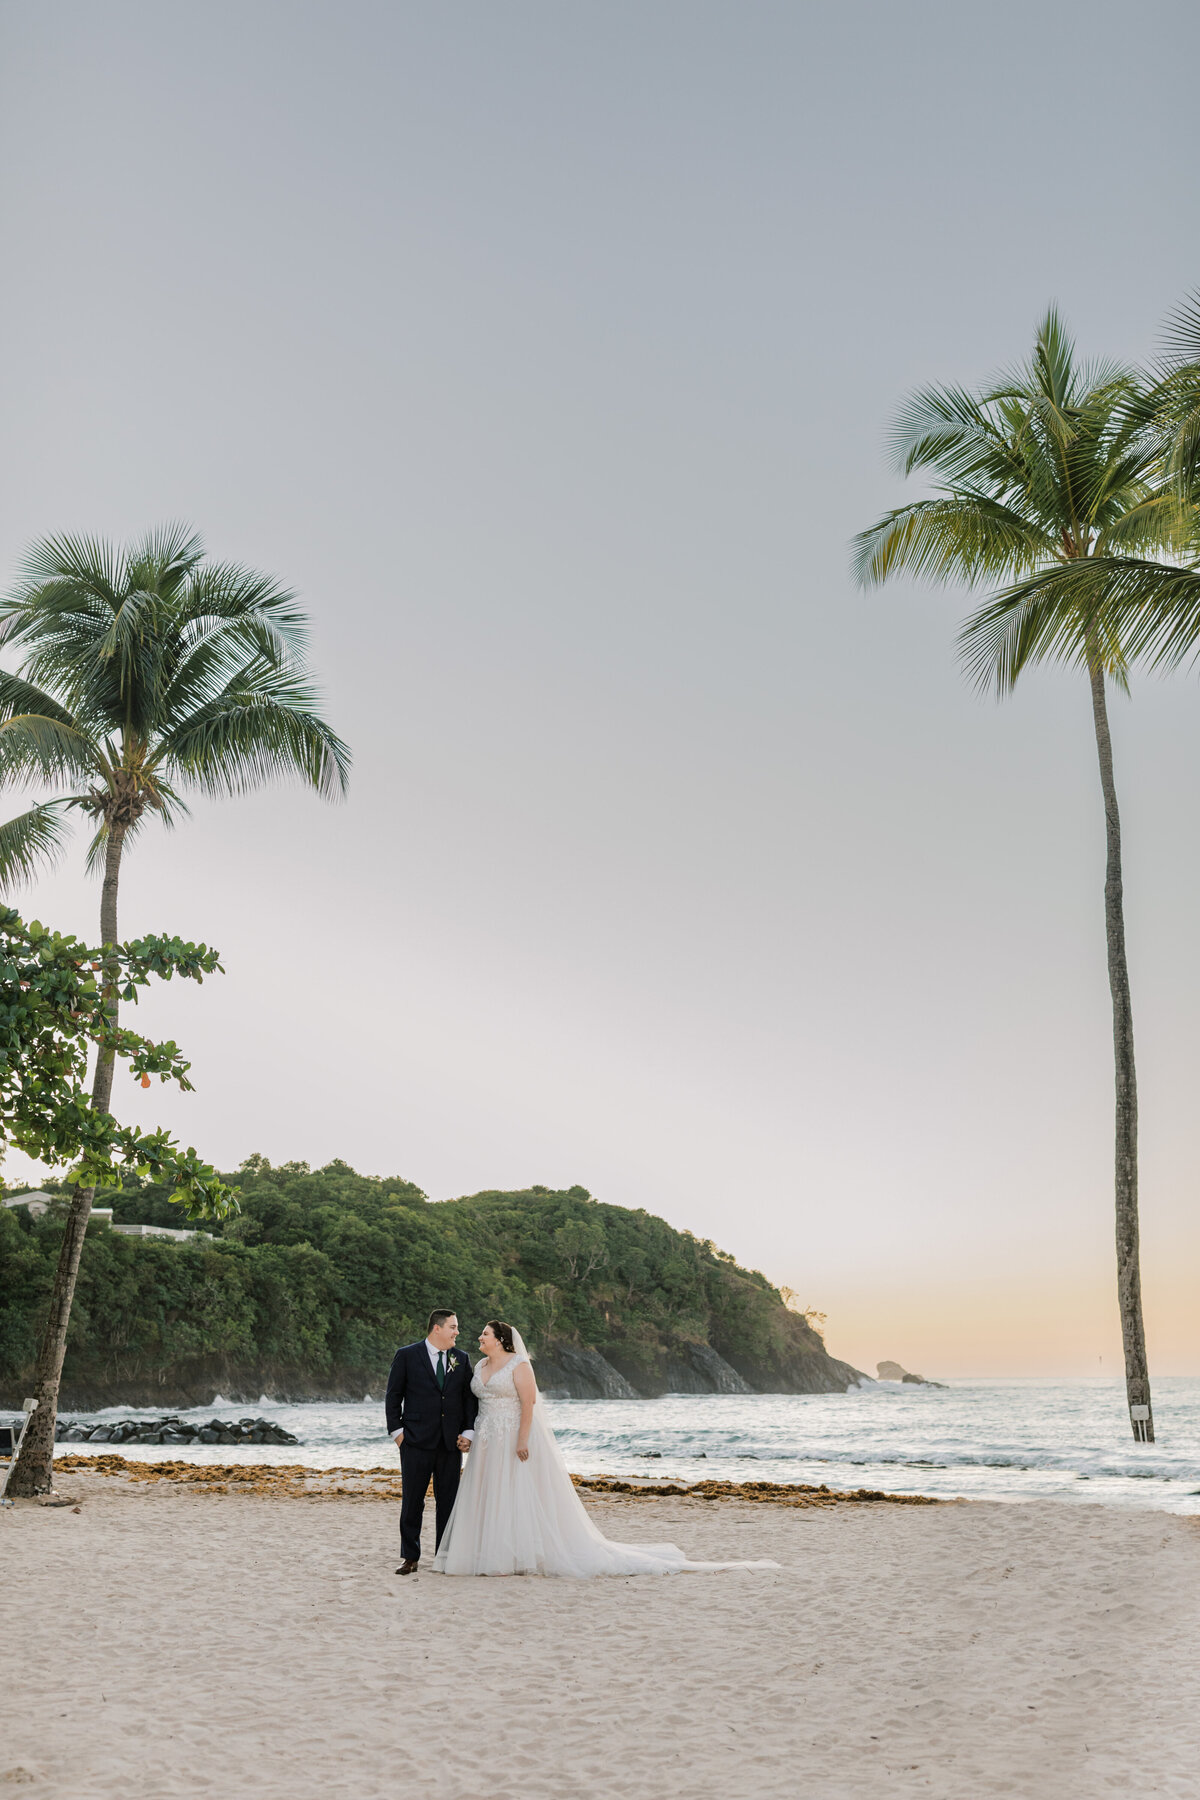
x=568, y=1373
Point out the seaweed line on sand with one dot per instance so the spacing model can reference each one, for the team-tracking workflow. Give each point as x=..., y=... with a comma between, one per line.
x=294, y=1480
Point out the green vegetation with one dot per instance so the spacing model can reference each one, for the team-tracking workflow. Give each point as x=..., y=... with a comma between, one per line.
x=146, y=673
x=53, y=1011
x=58, y=1002
x=309, y=1289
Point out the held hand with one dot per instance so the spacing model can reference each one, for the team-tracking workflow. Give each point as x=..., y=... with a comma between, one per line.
x=464, y=1443
x=522, y=1452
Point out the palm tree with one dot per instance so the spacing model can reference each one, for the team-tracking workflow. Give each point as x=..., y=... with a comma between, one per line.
x=145, y=673
x=1047, y=480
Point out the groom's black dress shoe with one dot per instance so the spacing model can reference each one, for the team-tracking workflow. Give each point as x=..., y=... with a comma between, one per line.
x=407, y=1568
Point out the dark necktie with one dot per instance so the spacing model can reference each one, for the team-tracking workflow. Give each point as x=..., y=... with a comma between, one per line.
x=441, y=1368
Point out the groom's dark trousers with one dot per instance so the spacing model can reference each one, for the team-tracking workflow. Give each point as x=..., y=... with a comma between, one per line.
x=432, y=1420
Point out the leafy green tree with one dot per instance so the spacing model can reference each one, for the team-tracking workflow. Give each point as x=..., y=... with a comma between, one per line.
x=1045, y=481
x=144, y=674
x=54, y=1009
x=580, y=1243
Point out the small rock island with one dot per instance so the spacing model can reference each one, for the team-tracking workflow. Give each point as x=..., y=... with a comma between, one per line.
x=893, y=1371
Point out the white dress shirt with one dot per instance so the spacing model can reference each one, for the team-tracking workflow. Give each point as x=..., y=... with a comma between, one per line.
x=434, y=1353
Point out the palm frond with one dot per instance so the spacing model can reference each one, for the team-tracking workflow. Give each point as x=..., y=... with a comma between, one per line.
x=264, y=727
x=265, y=615
x=206, y=667
x=132, y=647
x=1157, y=522
x=1154, y=606
x=1120, y=610
x=165, y=559
x=1171, y=409
x=88, y=565
x=35, y=747
x=950, y=430
x=1054, y=360
x=1181, y=334
x=1021, y=625
x=19, y=696
x=54, y=613
x=962, y=536
x=31, y=842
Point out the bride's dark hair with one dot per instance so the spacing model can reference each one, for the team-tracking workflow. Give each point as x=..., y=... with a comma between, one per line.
x=503, y=1332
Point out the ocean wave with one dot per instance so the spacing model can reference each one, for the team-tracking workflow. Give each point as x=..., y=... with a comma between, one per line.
x=983, y=1440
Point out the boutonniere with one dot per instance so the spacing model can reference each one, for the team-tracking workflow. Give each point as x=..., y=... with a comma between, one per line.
x=455, y=1359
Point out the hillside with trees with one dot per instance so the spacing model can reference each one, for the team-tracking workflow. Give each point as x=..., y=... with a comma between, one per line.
x=306, y=1292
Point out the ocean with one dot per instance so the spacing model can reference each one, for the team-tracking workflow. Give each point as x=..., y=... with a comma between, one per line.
x=974, y=1439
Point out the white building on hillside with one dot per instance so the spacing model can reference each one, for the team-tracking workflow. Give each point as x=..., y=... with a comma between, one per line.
x=37, y=1202
x=40, y=1203
x=167, y=1231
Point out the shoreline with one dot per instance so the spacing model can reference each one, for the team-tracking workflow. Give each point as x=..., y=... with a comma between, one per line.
x=302, y=1481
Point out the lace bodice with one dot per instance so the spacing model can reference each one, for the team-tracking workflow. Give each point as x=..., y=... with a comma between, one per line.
x=499, y=1402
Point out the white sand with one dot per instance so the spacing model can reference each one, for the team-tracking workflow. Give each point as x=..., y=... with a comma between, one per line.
x=165, y=1643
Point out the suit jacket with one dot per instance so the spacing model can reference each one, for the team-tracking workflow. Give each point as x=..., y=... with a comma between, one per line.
x=430, y=1416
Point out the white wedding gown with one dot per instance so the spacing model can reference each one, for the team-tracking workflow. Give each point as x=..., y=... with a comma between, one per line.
x=525, y=1518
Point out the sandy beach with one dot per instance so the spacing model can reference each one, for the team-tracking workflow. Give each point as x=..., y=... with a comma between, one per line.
x=165, y=1640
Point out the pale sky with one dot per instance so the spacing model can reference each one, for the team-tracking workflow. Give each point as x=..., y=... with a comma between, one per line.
x=549, y=352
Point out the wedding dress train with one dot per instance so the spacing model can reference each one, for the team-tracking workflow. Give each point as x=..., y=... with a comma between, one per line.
x=525, y=1518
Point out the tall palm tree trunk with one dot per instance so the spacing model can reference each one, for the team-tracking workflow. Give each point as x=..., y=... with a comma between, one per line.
x=33, y=1473
x=1129, y=1276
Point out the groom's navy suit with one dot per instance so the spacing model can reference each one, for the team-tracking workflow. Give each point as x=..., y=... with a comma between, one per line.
x=432, y=1420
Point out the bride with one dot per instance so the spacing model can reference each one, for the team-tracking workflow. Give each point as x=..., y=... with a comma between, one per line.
x=517, y=1512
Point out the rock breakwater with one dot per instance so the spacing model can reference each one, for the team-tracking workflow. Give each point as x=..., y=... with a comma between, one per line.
x=172, y=1430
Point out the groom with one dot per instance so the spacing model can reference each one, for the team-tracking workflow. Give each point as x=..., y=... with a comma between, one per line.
x=431, y=1414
